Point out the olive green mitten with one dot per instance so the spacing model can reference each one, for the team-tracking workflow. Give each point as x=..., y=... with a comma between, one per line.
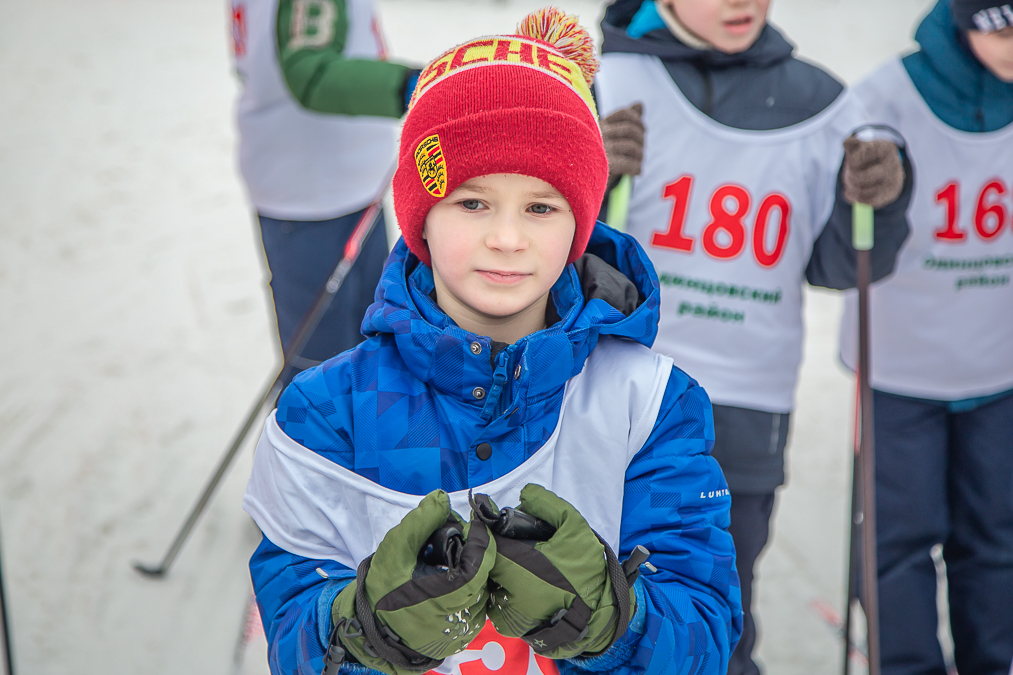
x=411, y=606
x=564, y=596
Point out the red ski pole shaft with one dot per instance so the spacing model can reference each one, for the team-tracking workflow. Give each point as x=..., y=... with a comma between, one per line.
x=863, y=234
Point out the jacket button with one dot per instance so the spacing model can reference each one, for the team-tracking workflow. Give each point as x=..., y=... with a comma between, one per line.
x=483, y=451
x=478, y=393
x=517, y=372
x=476, y=348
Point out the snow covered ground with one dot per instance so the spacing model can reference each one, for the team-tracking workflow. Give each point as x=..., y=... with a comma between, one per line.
x=136, y=331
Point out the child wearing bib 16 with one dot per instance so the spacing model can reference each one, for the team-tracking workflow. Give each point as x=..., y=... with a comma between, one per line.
x=942, y=346
x=742, y=192
x=507, y=364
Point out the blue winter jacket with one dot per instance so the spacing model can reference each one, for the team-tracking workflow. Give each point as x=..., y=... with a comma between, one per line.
x=955, y=85
x=399, y=410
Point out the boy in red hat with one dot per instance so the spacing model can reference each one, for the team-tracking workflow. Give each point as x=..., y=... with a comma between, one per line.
x=507, y=364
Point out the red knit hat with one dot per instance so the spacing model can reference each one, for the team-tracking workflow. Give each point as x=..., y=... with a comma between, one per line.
x=516, y=104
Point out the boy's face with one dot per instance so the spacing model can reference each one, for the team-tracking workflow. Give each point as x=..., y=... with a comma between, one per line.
x=498, y=243
x=995, y=51
x=730, y=26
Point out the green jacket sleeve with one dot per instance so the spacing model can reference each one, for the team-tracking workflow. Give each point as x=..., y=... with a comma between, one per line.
x=311, y=38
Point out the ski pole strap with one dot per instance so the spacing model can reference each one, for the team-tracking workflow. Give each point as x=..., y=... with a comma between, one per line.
x=620, y=591
x=862, y=231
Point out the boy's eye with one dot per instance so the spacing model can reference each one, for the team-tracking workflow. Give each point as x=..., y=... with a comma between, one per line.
x=541, y=209
x=471, y=204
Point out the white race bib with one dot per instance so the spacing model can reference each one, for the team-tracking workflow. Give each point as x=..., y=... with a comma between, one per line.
x=299, y=164
x=942, y=323
x=729, y=218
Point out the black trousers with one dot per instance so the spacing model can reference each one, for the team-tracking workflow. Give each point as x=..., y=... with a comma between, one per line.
x=944, y=477
x=750, y=530
x=301, y=256
x=749, y=445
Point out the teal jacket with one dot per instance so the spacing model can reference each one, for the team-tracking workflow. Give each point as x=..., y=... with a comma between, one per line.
x=955, y=85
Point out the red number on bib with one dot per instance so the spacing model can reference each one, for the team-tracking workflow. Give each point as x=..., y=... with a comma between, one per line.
x=727, y=221
x=772, y=201
x=948, y=196
x=674, y=238
x=725, y=236
x=990, y=212
x=995, y=212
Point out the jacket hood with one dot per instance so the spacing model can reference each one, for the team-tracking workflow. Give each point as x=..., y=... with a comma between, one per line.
x=958, y=88
x=770, y=47
x=441, y=354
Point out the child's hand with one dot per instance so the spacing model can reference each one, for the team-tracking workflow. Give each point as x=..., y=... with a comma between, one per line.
x=402, y=614
x=623, y=135
x=561, y=596
x=873, y=172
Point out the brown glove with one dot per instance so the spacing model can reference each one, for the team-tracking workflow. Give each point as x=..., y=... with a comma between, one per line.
x=623, y=135
x=873, y=172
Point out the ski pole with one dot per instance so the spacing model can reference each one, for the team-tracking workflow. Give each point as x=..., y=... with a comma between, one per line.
x=270, y=394
x=853, y=539
x=864, y=478
x=619, y=203
x=8, y=659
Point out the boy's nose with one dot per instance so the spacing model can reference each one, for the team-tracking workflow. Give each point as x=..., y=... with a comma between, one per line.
x=506, y=235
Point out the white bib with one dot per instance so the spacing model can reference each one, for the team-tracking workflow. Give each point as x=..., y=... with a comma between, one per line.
x=729, y=218
x=299, y=164
x=314, y=508
x=942, y=323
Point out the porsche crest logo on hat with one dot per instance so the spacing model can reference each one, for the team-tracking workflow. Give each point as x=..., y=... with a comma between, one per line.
x=432, y=166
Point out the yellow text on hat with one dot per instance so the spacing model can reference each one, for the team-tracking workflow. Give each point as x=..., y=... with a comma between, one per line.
x=506, y=50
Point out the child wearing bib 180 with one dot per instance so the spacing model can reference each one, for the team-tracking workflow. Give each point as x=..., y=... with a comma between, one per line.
x=507, y=364
x=743, y=193
x=942, y=346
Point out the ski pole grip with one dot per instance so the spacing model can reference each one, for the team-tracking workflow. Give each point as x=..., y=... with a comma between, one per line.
x=619, y=203
x=861, y=227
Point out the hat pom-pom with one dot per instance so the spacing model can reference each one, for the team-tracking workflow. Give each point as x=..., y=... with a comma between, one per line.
x=564, y=33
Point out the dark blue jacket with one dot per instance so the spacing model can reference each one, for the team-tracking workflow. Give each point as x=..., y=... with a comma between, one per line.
x=765, y=88
x=955, y=85
x=399, y=411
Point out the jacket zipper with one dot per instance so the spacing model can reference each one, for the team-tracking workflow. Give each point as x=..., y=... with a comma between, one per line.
x=494, y=403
